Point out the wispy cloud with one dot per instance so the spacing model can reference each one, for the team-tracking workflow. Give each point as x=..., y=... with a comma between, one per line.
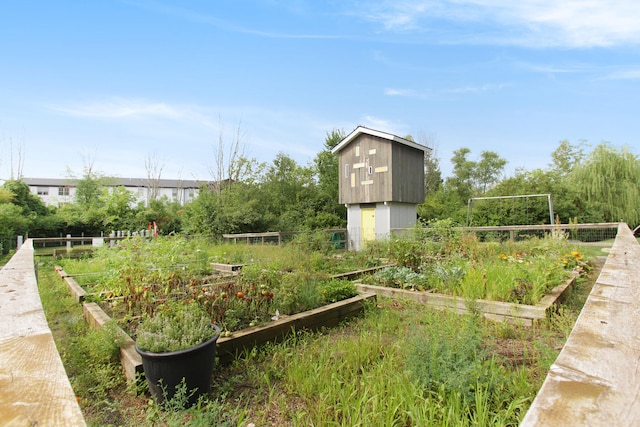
x=553, y=69
x=402, y=92
x=380, y=123
x=132, y=108
x=411, y=93
x=630, y=74
x=536, y=23
x=477, y=89
x=120, y=108
x=225, y=25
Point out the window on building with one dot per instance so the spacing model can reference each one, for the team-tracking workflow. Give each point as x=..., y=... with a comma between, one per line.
x=174, y=194
x=63, y=191
x=43, y=191
x=346, y=170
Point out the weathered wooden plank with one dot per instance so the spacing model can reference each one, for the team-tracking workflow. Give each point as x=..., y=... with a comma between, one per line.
x=131, y=361
x=329, y=315
x=355, y=274
x=459, y=303
x=227, y=267
x=595, y=380
x=76, y=290
x=495, y=310
x=34, y=388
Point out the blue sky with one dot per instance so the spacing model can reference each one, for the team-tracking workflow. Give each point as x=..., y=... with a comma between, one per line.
x=114, y=83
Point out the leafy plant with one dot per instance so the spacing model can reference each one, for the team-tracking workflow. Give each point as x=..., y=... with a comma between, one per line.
x=338, y=290
x=401, y=277
x=175, y=326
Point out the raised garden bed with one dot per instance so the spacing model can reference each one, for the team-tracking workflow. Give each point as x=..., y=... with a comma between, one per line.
x=521, y=314
x=228, y=348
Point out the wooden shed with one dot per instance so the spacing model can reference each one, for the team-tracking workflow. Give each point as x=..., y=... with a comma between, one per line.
x=381, y=183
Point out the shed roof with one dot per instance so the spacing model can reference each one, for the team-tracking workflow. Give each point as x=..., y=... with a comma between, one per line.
x=389, y=136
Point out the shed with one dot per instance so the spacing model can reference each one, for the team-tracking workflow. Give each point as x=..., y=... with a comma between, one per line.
x=381, y=183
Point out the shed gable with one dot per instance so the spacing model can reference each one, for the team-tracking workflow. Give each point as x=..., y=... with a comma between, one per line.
x=379, y=167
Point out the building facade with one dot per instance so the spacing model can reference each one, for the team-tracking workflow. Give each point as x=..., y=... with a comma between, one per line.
x=381, y=183
x=57, y=192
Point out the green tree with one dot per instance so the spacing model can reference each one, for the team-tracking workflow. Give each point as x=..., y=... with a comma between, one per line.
x=118, y=211
x=567, y=156
x=202, y=215
x=23, y=197
x=609, y=181
x=487, y=171
x=463, y=174
x=329, y=212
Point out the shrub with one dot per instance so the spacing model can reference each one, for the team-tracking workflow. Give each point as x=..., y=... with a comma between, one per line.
x=338, y=290
x=175, y=326
x=449, y=357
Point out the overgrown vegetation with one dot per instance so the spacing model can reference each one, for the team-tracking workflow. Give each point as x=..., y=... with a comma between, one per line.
x=401, y=364
x=139, y=276
x=443, y=259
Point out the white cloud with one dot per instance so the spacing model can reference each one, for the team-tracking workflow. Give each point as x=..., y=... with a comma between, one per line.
x=562, y=23
x=631, y=74
x=410, y=93
x=554, y=69
x=139, y=109
x=383, y=124
x=400, y=92
x=119, y=108
x=476, y=89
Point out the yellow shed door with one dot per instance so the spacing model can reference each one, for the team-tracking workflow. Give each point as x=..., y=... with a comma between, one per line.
x=368, y=225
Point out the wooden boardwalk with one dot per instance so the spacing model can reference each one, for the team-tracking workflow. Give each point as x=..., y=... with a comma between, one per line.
x=595, y=380
x=34, y=388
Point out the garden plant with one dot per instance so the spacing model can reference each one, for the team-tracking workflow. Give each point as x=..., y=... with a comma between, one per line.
x=400, y=364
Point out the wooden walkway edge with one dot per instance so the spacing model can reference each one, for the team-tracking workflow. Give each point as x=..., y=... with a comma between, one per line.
x=34, y=388
x=595, y=381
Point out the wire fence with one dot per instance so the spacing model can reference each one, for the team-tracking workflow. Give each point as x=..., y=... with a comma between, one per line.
x=584, y=233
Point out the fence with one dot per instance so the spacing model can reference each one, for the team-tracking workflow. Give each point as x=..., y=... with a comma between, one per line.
x=337, y=237
x=585, y=233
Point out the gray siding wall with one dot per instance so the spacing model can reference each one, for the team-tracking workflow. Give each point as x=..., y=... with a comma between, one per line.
x=373, y=170
x=408, y=174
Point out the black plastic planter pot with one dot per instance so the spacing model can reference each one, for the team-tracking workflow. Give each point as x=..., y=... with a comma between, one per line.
x=164, y=371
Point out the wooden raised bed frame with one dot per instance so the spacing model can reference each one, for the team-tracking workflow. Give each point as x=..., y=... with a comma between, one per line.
x=520, y=314
x=228, y=348
x=231, y=347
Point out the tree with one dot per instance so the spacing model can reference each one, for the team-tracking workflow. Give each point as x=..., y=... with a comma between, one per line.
x=228, y=156
x=118, y=211
x=154, y=172
x=201, y=215
x=462, y=179
x=567, y=156
x=432, y=174
x=330, y=212
x=488, y=170
x=609, y=182
x=20, y=195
